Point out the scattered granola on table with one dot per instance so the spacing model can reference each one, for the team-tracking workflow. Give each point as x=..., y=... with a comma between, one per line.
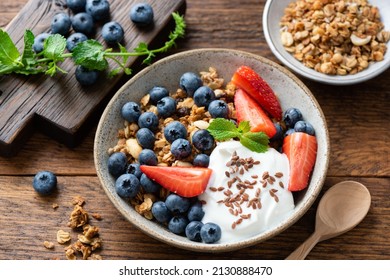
x=334, y=37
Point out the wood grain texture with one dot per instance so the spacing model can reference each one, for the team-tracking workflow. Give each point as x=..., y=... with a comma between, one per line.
x=59, y=105
x=358, y=120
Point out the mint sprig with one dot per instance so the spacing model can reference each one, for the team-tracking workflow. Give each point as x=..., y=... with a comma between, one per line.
x=90, y=54
x=223, y=129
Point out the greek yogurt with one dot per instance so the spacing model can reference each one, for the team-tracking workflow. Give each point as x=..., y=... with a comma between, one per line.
x=247, y=192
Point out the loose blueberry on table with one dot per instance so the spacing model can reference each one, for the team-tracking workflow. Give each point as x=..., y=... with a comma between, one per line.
x=45, y=182
x=61, y=24
x=76, y=5
x=74, y=39
x=39, y=40
x=83, y=23
x=142, y=14
x=112, y=33
x=86, y=77
x=98, y=9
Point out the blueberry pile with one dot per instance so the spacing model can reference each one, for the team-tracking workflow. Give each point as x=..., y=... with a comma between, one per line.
x=181, y=215
x=80, y=23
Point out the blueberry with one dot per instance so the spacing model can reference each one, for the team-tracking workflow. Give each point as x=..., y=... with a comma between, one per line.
x=86, y=77
x=45, y=182
x=303, y=126
x=127, y=186
x=75, y=39
x=112, y=32
x=289, y=131
x=201, y=160
x=218, y=109
x=83, y=23
x=60, y=24
x=175, y=130
x=181, y=148
x=161, y=212
x=166, y=106
x=98, y=9
x=192, y=231
x=148, y=120
x=195, y=212
x=210, y=233
x=39, y=41
x=147, y=157
x=157, y=93
x=134, y=168
x=76, y=5
x=190, y=82
x=116, y=164
x=131, y=111
x=291, y=116
x=141, y=14
x=202, y=140
x=279, y=132
x=203, y=96
x=178, y=224
x=149, y=185
x=177, y=204
x=145, y=138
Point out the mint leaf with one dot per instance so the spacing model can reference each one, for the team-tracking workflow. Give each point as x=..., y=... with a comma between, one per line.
x=255, y=141
x=9, y=54
x=244, y=127
x=223, y=129
x=90, y=54
x=54, y=47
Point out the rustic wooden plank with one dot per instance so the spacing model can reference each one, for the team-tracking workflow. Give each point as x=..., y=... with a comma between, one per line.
x=59, y=104
x=23, y=235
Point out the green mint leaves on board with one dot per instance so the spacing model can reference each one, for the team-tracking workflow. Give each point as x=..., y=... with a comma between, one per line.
x=223, y=129
x=90, y=54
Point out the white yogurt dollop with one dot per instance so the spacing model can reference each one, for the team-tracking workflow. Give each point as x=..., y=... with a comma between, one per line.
x=232, y=208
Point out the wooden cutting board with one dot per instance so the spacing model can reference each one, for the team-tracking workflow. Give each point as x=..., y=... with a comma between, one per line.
x=58, y=105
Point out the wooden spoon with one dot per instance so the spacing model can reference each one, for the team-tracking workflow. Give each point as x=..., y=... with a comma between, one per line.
x=341, y=208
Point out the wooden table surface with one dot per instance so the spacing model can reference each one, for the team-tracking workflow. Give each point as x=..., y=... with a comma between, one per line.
x=358, y=118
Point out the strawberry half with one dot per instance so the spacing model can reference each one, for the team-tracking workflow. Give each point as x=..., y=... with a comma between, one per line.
x=184, y=181
x=250, y=81
x=247, y=109
x=301, y=150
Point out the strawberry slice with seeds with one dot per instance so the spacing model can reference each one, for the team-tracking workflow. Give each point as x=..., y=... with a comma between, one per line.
x=301, y=150
x=250, y=81
x=247, y=109
x=184, y=181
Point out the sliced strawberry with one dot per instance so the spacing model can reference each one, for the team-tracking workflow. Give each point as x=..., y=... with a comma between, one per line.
x=250, y=81
x=247, y=109
x=301, y=150
x=185, y=181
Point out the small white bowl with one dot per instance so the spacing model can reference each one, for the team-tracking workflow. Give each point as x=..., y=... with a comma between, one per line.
x=167, y=72
x=273, y=12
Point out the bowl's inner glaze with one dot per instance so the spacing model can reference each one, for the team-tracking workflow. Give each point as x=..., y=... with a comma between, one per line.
x=167, y=72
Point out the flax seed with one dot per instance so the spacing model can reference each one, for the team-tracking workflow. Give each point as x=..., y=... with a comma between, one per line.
x=220, y=189
x=265, y=175
x=213, y=189
x=278, y=174
x=231, y=211
x=227, y=174
x=255, y=176
x=256, y=162
x=239, y=221
x=281, y=184
x=234, y=225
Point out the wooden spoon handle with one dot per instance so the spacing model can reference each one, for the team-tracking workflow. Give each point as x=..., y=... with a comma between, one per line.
x=304, y=249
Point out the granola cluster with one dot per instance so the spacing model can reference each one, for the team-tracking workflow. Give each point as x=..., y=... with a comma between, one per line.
x=189, y=114
x=87, y=241
x=334, y=37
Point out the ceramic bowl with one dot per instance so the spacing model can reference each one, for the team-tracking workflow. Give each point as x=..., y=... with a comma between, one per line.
x=167, y=72
x=273, y=12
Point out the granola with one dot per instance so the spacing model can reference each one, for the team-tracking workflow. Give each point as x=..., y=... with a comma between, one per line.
x=334, y=37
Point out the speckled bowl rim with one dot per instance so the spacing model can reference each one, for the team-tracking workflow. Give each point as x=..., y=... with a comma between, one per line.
x=152, y=228
x=274, y=43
